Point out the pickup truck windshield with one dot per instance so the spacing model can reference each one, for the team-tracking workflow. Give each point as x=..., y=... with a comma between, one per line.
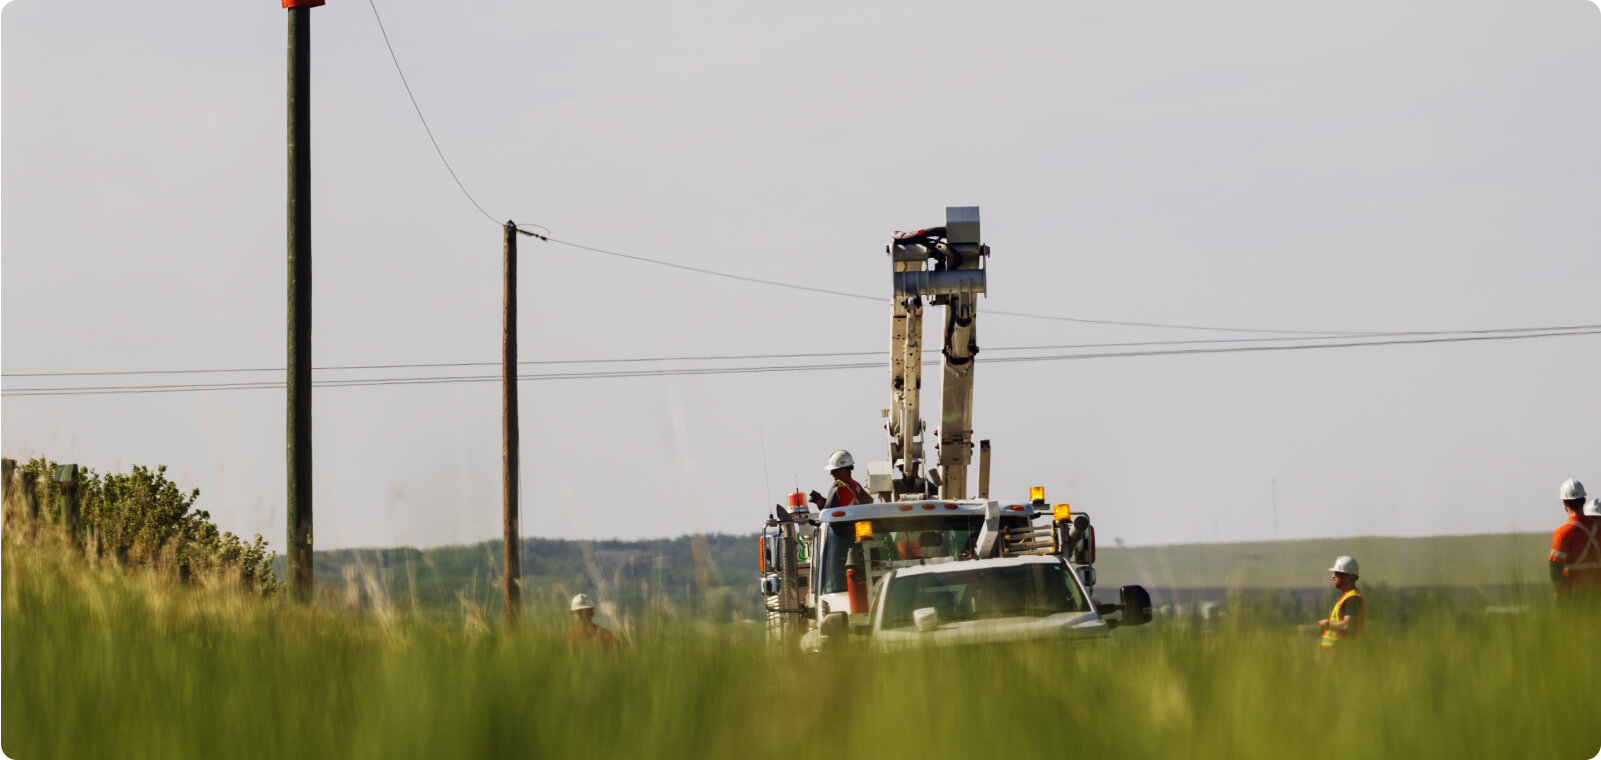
x=1035, y=589
x=898, y=541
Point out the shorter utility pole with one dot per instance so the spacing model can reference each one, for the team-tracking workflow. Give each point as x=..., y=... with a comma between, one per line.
x=508, y=429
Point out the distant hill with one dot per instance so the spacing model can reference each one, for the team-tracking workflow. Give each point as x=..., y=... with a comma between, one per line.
x=672, y=578
x=1435, y=561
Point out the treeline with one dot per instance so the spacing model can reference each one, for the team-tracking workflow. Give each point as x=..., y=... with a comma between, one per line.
x=136, y=519
x=708, y=576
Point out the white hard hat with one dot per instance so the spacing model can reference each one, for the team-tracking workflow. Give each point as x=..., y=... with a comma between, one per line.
x=1593, y=509
x=1344, y=564
x=581, y=602
x=838, y=459
x=1572, y=489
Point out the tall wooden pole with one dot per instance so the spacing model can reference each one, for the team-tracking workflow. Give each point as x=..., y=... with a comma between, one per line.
x=508, y=429
x=298, y=439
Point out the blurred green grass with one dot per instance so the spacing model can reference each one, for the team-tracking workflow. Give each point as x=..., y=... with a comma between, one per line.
x=98, y=664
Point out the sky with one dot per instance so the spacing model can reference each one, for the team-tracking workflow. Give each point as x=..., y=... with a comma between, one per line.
x=1407, y=165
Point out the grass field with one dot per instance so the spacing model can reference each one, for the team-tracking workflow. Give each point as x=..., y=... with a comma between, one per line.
x=97, y=664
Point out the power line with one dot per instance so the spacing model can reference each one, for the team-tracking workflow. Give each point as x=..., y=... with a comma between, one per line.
x=780, y=284
x=420, y=117
x=613, y=374
x=803, y=355
x=879, y=299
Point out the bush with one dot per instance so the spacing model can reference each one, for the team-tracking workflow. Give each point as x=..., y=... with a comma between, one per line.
x=147, y=520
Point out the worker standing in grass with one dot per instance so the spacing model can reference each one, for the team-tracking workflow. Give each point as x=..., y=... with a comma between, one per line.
x=1575, y=558
x=845, y=491
x=1346, y=621
x=584, y=629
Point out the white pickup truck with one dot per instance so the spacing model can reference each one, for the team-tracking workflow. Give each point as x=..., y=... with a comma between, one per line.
x=1004, y=599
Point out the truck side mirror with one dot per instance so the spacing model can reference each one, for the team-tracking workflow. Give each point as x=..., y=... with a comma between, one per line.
x=1135, y=602
x=768, y=554
x=835, y=624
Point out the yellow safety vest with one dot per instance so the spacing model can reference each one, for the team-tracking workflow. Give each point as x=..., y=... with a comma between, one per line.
x=1329, y=634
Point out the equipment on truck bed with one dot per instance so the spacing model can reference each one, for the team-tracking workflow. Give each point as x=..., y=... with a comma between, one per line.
x=821, y=571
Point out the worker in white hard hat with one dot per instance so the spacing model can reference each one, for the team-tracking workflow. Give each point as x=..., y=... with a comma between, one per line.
x=1575, y=558
x=845, y=491
x=1349, y=616
x=584, y=630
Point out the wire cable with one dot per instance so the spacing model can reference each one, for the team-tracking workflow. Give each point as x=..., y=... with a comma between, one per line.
x=804, y=355
x=421, y=118
x=996, y=312
x=697, y=371
x=776, y=283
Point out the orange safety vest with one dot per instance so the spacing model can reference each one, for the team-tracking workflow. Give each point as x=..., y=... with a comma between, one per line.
x=846, y=489
x=1583, y=571
x=1330, y=636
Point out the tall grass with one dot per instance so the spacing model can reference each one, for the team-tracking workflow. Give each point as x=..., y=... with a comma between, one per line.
x=98, y=664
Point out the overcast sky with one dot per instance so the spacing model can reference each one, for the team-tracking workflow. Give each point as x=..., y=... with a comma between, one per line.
x=1360, y=166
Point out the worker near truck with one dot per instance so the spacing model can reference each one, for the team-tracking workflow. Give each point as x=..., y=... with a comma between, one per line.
x=845, y=491
x=584, y=630
x=1575, y=558
x=1346, y=621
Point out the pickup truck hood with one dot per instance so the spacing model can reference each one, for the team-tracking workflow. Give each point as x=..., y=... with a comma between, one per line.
x=1065, y=626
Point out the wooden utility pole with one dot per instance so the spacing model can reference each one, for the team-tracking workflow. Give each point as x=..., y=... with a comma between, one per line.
x=508, y=429
x=298, y=443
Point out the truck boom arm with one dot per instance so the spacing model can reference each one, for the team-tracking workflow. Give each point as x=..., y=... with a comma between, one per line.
x=955, y=282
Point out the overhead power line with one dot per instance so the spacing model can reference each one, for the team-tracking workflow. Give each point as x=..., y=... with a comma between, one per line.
x=694, y=371
x=421, y=118
x=802, y=355
x=996, y=312
x=779, y=283
x=794, y=286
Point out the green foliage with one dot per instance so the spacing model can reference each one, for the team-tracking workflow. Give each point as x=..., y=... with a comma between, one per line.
x=708, y=577
x=147, y=518
x=106, y=665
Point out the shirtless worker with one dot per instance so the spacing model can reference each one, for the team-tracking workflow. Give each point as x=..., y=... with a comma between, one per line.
x=584, y=629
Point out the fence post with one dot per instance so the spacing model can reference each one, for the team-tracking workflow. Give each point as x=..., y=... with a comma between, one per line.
x=30, y=501
x=67, y=476
x=8, y=469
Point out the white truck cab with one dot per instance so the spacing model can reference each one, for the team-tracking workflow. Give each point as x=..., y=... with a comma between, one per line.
x=1005, y=599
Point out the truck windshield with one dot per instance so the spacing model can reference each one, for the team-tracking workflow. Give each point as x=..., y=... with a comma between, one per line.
x=1034, y=589
x=896, y=542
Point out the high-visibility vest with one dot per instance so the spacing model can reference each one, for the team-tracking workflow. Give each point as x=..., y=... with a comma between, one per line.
x=847, y=495
x=1330, y=635
x=1588, y=563
x=846, y=489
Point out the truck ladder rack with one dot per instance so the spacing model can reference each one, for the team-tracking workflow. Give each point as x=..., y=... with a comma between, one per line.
x=1039, y=539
